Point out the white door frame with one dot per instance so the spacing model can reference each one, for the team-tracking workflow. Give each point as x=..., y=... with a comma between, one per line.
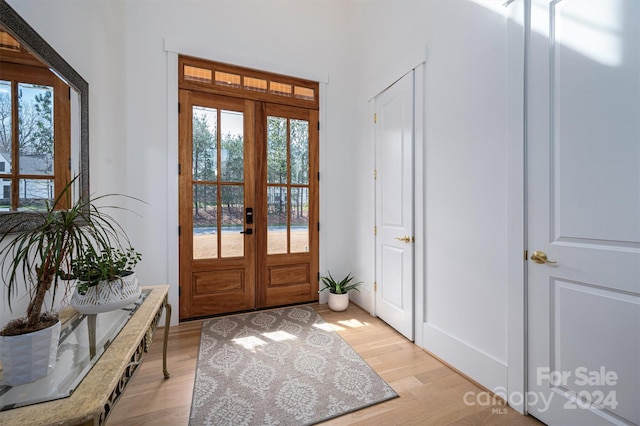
x=517, y=17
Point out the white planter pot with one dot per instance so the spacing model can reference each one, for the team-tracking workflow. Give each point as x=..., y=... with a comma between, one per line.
x=338, y=302
x=107, y=295
x=29, y=357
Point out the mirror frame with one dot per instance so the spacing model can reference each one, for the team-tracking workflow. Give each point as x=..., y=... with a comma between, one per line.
x=32, y=41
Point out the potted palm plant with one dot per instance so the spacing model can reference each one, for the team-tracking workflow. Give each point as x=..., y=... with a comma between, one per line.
x=40, y=258
x=339, y=290
x=105, y=280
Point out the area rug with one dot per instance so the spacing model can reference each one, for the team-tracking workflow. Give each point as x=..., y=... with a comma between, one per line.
x=279, y=367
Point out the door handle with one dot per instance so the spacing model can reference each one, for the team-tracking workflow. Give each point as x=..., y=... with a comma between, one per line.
x=540, y=257
x=247, y=231
x=406, y=239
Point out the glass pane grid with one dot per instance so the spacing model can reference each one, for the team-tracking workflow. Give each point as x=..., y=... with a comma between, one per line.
x=232, y=206
x=205, y=142
x=277, y=223
x=232, y=147
x=202, y=75
x=255, y=84
x=35, y=129
x=304, y=93
x=35, y=194
x=228, y=79
x=205, y=221
x=281, y=89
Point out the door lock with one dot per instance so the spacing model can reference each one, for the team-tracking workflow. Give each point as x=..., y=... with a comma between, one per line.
x=247, y=231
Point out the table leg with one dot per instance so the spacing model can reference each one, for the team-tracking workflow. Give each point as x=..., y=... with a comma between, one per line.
x=167, y=323
x=91, y=324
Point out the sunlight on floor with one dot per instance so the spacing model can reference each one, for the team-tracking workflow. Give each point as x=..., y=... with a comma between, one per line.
x=328, y=327
x=354, y=323
x=250, y=342
x=279, y=336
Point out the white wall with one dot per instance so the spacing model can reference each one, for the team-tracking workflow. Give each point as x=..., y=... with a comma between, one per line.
x=465, y=288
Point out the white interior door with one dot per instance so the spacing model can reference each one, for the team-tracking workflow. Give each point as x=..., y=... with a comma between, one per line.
x=583, y=186
x=394, y=109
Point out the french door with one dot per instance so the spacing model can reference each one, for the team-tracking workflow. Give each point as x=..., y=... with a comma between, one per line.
x=248, y=204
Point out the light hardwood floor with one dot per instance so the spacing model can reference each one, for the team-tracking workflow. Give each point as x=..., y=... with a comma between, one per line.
x=430, y=392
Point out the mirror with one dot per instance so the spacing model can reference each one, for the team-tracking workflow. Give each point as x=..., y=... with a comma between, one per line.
x=13, y=24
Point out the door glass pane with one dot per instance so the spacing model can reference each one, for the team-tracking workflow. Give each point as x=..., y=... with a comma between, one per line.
x=276, y=150
x=34, y=194
x=5, y=126
x=299, y=220
x=232, y=206
x=232, y=153
x=35, y=122
x=205, y=222
x=277, y=219
x=205, y=134
x=299, y=151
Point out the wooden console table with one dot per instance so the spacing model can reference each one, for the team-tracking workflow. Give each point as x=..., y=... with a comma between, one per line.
x=92, y=400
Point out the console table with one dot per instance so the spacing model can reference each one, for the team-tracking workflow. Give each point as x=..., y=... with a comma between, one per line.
x=92, y=400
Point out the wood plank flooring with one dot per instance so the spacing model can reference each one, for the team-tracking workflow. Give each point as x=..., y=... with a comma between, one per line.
x=430, y=392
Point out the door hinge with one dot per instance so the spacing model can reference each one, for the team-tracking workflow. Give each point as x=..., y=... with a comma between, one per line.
x=375, y=174
x=69, y=163
x=318, y=126
x=526, y=254
x=179, y=291
x=318, y=176
x=375, y=230
x=179, y=168
x=375, y=118
x=318, y=226
x=318, y=276
x=178, y=107
x=375, y=286
x=179, y=230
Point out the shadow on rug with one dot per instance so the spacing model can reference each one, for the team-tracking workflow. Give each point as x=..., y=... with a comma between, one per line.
x=279, y=367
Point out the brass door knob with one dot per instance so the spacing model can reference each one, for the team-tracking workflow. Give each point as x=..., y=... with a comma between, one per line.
x=540, y=257
x=406, y=239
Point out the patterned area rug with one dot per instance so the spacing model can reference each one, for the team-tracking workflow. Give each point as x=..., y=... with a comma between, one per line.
x=280, y=367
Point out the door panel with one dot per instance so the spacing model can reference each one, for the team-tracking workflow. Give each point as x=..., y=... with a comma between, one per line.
x=287, y=197
x=584, y=212
x=394, y=205
x=217, y=261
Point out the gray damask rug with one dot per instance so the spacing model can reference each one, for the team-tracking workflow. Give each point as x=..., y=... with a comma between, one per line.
x=279, y=367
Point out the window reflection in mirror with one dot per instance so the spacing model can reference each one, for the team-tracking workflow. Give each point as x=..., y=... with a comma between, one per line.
x=43, y=123
x=35, y=128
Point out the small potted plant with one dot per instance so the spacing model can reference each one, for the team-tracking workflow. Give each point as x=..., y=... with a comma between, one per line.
x=339, y=290
x=105, y=280
x=38, y=253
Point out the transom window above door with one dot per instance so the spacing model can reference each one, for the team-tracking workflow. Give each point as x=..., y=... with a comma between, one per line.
x=230, y=80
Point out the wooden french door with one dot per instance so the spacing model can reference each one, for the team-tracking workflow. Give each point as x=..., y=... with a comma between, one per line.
x=248, y=204
x=288, y=196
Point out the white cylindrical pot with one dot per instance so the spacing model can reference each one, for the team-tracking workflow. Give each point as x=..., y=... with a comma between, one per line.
x=29, y=357
x=107, y=295
x=338, y=302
